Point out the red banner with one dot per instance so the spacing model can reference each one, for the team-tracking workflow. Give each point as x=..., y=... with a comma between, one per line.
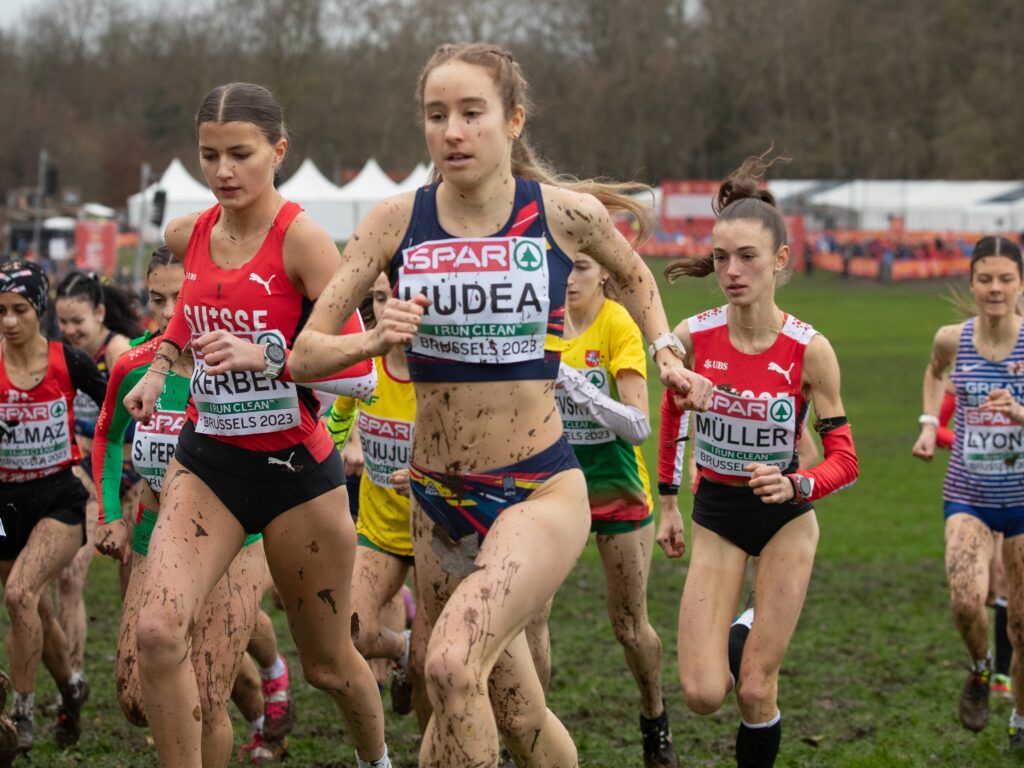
x=686, y=206
x=96, y=246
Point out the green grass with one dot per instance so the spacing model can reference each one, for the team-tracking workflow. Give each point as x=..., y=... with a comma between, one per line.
x=875, y=669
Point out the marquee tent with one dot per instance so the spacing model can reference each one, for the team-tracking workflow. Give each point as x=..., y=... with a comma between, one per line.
x=184, y=195
x=321, y=199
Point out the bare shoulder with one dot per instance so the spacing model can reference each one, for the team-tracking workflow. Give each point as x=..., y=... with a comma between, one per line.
x=382, y=230
x=948, y=337
x=178, y=232
x=820, y=352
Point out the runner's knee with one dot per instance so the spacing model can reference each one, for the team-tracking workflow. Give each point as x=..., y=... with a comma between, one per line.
x=703, y=696
x=21, y=601
x=162, y=634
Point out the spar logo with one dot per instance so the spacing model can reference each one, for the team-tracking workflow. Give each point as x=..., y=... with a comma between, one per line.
x=484, y=255
x=781, y=411
x=58, y=409
x=597, y=377
x=743, y=408
x=528, y=256
x=977, y=418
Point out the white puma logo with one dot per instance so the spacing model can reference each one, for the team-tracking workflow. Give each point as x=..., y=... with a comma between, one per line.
x=773, y=366
x=265, y=283
x=287, y=463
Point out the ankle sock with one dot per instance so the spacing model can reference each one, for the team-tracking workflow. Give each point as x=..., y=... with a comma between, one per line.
x=274, y=671
x=24, y=705
x=382, y=762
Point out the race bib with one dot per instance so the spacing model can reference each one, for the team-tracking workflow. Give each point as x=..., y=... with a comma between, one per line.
x=154, y=444
x=238, y=403
x=737, y=430
x=34, y=436
x=993, y=445
x=578, y=427
x=387, y=444
x=489, y=298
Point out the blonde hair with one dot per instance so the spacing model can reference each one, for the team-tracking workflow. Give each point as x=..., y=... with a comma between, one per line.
x=513, y=89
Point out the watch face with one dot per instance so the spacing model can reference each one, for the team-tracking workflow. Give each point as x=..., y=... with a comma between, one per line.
x=275, y=353
x=805, y=487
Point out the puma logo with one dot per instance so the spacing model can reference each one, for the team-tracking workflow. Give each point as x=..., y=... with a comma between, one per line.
x=253, y=277
x=776, y=368
x=286, y=463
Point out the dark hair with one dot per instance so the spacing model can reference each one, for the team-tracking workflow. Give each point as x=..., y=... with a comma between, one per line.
x=740, y=198
x=163, y=257
x=513, y=89
x=997, y=246
x=120, y=314
x=244, y=103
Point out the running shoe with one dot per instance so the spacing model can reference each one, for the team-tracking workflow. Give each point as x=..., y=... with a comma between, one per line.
x=23, y=727
x=657, y=738
x=278, y=706
x=69, y=714
x=401, y=684
x=974, y=700
x=1002, y=686
x=8, y=732
x=259, y=751
x=1017, y=740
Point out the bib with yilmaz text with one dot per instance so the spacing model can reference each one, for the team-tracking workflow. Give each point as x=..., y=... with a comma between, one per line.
x=489, y=298
x=738, y=430
x=239, y=403
x=386, y=446
x=34, y=436
x=578, y=427
x=154, y=444
x=993, y=445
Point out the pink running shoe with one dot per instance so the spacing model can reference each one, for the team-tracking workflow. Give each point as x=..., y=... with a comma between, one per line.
x=278, y=706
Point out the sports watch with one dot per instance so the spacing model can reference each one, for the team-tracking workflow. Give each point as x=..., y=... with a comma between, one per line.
x=801, y=487
x=671, y=341
x=274, y=356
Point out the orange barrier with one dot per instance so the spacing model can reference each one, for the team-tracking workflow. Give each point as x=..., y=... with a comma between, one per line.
x=861, y=266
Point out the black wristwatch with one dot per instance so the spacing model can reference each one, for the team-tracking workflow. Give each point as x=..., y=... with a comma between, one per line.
x=274, y=356
x=801, y=487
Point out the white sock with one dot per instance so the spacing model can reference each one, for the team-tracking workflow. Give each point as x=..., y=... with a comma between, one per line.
x=273, y=671
x=24, y=705
x=980, y=665
x=381, y=762
x=256, y=725
x=1001, y=602
x=1016, y=721
x=769, y=724
x=75, y=679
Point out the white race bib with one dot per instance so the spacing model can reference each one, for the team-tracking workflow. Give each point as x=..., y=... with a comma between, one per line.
x=154, y=444
x=578, y=427
x=387, y=444
x=34, y=436
x=240, y=403
x=737, y=430
x=489, y=298
x=993, y=445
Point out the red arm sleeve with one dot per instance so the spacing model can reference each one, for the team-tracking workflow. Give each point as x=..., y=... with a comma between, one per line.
x=944, y=435
x=839, y=468
x=672, y=436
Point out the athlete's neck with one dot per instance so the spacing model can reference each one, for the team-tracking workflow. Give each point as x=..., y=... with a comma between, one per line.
x=478, y=210
x=397, y=364
x=999, y=330
x=21, y=356
x=754, y=327
x=92, y=347
x=581, y=318
x=239, y=225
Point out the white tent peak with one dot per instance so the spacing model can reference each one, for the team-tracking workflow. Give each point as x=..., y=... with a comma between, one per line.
x=178, y=180
x=419, y=177
x=371, y=183
x=308, y=182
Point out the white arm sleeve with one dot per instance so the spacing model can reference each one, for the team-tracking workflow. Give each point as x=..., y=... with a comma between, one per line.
x=626, y=421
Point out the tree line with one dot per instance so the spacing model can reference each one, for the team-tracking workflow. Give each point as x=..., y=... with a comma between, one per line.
x=633, y=89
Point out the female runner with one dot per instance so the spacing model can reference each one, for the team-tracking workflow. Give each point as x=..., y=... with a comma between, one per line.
x=602, y=398
x=983, y=493
x=98, y=320
x=252, y=456
x=42, y=503
x=767, y=367
x=219, y=638
x=500, y=510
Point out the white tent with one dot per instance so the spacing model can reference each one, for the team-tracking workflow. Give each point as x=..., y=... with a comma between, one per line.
x=419, y=177
x=321, y=199
x=369, y=187
x=184, y=195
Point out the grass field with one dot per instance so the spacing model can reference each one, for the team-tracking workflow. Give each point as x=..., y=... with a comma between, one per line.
x=873, y=675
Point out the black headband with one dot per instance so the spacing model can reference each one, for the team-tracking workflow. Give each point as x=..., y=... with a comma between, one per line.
x=28, y=280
